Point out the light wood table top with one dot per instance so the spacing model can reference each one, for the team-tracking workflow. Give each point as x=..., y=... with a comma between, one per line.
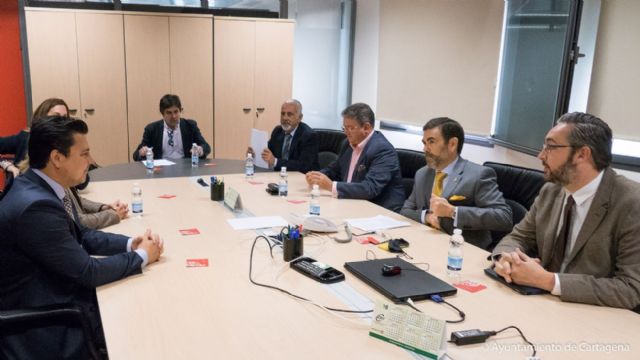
x=174, y=312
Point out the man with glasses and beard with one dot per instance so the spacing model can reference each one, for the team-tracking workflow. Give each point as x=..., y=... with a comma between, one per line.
x=581, y=238
x=451, y=192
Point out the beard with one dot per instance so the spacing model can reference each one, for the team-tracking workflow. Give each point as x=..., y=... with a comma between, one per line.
x=561, y=176
x=432, y=160
x=286, y=127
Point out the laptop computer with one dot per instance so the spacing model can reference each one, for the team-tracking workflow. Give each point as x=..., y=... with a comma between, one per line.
x=524, y=290
x=412, y=282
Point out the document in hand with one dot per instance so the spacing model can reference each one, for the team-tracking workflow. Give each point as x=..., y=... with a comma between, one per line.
x=259, y=142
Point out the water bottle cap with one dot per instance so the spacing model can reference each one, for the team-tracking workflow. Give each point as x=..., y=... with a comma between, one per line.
x=249, y=155
x=457, y=231
x=316, y=187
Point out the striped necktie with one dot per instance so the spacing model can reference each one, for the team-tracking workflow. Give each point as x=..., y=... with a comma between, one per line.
x=285, y=148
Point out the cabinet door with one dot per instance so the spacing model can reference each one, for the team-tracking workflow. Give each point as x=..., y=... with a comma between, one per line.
x=273, y=70
x=235, y=114
x=191, y=46
x=53, y=60
x=102, y=85
x=148, y=70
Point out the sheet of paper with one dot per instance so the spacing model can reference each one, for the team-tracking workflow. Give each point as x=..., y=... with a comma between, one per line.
x=259, y=141
x=258, y=222
x=159, y=162
x=379, y=222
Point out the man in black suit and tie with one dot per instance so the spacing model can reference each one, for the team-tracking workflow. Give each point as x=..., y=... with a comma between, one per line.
x=46, y=258
x=293, y=144
x=173, y=136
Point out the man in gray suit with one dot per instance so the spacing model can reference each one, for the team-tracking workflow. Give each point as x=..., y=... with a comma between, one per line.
x=581, y=238
x=451, y=192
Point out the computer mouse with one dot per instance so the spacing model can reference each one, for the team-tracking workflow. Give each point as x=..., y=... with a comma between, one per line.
x=391, y=270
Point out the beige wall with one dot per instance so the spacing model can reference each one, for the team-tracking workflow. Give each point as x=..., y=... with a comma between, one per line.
x=615, y=82
x=439, y=58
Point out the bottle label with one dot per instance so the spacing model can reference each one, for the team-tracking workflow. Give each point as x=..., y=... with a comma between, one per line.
x=314, y=209
x=136, y=207
x=454, y=263
x=248, y=170
x=283, y=189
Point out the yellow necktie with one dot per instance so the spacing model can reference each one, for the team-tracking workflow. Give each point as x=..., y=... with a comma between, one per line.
x=437, y=187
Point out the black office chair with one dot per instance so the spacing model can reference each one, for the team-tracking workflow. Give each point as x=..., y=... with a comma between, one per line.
x=16, y=321
x=331, y=143
x=520, y=187
x=410, y=162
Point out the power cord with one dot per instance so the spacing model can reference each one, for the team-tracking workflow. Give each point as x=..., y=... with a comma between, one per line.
x=476, y=336
x=439, y=299
x=285, y=291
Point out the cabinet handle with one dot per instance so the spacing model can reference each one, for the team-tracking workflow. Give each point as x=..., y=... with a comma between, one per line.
x=260, y=109
x=246, y=109
x=73, y=111
x=90, y=110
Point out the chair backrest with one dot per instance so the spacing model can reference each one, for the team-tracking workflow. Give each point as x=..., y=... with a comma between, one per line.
x=518, y=183
x=330, y=144
x=410, y=162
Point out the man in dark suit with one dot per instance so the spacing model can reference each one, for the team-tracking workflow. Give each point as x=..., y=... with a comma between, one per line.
x=293, y=144
x=451, y=192
x=46, y=256
x=580, y=239
x=173, y=136
x=367, y=169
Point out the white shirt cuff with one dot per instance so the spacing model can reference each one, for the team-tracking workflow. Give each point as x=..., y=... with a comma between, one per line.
x=556, y=287
x=275, y=163
x=455, y=217
x=423, y=216
x=141, y=252
x=334, y=189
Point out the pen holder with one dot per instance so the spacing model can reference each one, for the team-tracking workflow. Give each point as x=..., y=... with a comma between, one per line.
x=292, y=248
x=217, y=192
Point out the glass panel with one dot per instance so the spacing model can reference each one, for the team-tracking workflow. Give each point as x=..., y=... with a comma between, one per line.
x=271, y=5
x=189, y=3
x=532, y=57
x=322, y=51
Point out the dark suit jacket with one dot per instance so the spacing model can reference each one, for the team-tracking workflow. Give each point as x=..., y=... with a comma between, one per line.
x=482, y=210
x=189, y=130
x=376, y=177
x=303, y=151
x=604, y=265
x=17, y=144
x=45, y=260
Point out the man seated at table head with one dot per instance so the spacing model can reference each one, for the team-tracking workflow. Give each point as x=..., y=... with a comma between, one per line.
x=452, y=192
x=46, y=257
x=581, y=238
x=173, y=136
x=367, y=169
x=293, y=144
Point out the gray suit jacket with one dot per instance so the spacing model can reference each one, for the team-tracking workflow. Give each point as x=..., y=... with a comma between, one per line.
x=482, y=210
x=604, y=265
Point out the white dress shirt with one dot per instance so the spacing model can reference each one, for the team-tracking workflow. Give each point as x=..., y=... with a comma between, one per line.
x=176, y=151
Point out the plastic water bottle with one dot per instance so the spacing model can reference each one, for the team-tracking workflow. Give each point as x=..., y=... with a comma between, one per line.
x=195, y=159
x=314, y=205
x=136, y=200
x=248, y=167
x=149, y=162
x=283, y=185
x=454, y=259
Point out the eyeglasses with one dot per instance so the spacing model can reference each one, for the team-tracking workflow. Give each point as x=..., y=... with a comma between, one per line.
x=547, y=148
x=350, y=128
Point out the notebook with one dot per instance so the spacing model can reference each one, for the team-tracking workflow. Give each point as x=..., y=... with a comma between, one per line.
x=412, y=282
x=524, y=290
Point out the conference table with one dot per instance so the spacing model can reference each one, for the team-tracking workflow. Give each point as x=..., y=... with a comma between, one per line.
x=175, y=311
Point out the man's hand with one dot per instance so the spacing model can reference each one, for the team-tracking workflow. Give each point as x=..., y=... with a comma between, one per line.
x=432, y=220
x=121, y=208
x=521, y=269
x=151, y=243
x=323, y=181
x=142, y=152
x=440, y=206
x=199, y=151
x=267, y=156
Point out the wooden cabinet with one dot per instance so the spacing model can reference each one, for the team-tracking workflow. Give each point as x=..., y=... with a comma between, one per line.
x=79, y=57
x=168, y=54
x=253, y=75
